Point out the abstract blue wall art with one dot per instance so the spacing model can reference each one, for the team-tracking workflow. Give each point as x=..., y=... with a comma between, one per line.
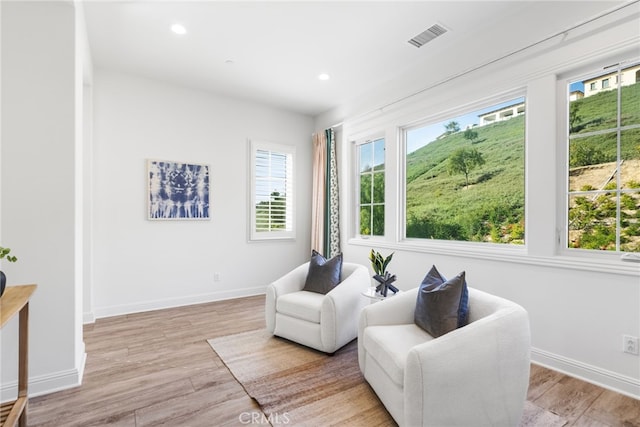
x=177, y=190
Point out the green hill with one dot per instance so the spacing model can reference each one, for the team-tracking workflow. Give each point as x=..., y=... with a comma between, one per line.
x=599, y=112
x=439, y=206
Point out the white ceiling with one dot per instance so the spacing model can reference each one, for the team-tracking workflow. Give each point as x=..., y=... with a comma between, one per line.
x=278, y=49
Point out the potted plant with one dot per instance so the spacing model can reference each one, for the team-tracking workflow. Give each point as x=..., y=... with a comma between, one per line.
x=382, y=276
x=4, y=254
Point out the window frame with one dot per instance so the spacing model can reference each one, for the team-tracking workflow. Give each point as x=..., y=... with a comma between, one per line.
x=452, y=114
x=589, y=72
x=290, y=213
x=357, y=144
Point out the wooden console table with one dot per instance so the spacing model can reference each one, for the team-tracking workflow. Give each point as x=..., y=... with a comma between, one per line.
x=16, y=300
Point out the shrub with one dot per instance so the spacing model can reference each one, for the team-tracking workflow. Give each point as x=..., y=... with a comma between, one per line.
x=632, y=184
x=600, y=237
x=627, y=202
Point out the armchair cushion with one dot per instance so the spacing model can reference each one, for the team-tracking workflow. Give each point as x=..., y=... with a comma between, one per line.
x=301, y=305
x=389, y=345
x=323, y=275
x=442, y=305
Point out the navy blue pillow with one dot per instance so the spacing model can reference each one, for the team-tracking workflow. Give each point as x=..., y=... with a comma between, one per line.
x=442, y=305
x=323, y=274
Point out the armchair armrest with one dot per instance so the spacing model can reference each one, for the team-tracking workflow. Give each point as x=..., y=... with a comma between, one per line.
x=342, y=306
x=293, y=281
x=485, y=365
x=396, y=310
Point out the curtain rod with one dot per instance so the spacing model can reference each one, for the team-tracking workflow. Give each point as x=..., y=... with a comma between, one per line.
x=510, y=54
x=337, y=125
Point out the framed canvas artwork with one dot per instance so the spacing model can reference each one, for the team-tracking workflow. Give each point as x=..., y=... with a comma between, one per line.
x=177, y=190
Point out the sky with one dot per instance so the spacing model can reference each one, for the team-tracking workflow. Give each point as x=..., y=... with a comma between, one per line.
x=576, y=86
x=419, y=137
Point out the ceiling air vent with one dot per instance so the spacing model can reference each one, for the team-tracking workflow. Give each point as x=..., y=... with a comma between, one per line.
x=428, y=35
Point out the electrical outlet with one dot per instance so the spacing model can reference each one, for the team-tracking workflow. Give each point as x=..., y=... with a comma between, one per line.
x=630, y=344
x=216, y=277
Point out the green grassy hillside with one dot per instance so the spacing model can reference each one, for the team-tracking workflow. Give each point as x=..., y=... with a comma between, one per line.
x=599, y=112
x=439, y=206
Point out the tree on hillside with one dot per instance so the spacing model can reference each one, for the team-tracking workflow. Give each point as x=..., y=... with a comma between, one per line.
x=471, y=135
x=574, y=117
x=464, y=160
x=585, y=155
x=452, y=127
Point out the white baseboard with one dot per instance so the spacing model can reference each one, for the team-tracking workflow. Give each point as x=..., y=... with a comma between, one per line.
x=88, y=317
x=601, y=377
x=117, y=310
x=45, y=384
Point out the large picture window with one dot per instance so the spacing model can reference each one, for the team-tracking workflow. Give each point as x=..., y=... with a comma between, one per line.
x=603, y=196
x=272, y=201
x=465, y=176
x=371, y=187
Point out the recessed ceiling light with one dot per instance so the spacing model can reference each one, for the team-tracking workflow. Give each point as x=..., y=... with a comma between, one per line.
x=324, y=76
x=179, y=29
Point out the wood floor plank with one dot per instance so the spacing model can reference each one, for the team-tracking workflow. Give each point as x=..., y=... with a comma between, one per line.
x=115, y=403
x=119, y=420
x=534, y=415
x=188, y=406
x=569, y=398
x=615, y=410
x=541, y=380
x=224, y=414
x=585, y=421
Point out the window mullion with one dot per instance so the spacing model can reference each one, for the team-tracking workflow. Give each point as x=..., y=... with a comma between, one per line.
x=618, y=157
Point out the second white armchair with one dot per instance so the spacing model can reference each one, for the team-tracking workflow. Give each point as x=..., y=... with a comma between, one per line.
x=476, y=375
x=325, y=322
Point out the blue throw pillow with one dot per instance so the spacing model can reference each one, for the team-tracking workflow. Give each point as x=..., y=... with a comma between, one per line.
x=442, y=305
x=323, y=274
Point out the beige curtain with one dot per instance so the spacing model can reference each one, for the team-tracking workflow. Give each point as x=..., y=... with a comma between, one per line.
x=319, y=191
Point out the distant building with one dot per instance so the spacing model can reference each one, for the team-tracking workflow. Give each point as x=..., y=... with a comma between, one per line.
x=501, y=114
x=606, y=82
x=576, y=94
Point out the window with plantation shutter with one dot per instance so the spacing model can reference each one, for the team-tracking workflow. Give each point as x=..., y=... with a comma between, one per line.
x=272, y=195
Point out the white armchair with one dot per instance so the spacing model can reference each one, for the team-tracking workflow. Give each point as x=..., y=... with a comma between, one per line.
x=324, y=322
x=477, y=375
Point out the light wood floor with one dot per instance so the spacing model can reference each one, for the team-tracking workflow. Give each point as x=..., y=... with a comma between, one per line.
x=156, y=368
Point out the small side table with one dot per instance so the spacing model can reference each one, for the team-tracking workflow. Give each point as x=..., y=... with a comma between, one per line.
x=374, y=296
x=16, y=300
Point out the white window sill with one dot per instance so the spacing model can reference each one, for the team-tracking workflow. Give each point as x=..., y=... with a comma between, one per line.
x=609, y=263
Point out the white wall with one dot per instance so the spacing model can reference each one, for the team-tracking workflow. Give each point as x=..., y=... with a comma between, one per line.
x=579, y=308
x=141, y=264
x=41, y=85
